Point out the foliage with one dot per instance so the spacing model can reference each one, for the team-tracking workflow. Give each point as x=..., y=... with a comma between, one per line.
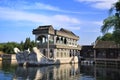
x=9, y=46
x=106, y=37
x=108, y=23
x=116, y=36
x=113, y=21
x=28, y=44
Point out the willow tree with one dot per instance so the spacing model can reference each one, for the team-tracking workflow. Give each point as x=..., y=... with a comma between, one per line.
x=113, y=21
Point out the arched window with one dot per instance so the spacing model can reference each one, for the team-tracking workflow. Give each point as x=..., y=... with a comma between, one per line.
x=70, y=53
x=39, y=39
x=57, y=39
x=61, y=39
x=42, y=39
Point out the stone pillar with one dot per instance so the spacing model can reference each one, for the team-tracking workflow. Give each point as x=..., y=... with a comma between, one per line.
x=55, y=39
x=94, y=55
x=48, y=45
x=59, y=40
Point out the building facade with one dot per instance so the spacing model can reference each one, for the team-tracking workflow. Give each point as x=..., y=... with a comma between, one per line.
x=87, y=52
x=107, y=52
x=56, y=43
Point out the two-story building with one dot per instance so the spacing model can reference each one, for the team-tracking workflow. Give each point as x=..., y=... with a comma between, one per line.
x=57, y=44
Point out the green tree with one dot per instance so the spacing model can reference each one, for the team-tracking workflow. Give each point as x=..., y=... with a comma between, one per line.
x=1, y=46
x=8, y=47
x=106, y=37
x=98, y=38
x=21, y=46
x=116, y=36
x=33, y=44
x=27, y=44
x=113, y=21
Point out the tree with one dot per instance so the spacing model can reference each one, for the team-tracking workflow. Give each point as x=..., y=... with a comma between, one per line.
x=106, y=37
x=27, y=44
x=116, y=36
x=9, y=46
x=113, y=21
x=21, y=45
x=98, y=38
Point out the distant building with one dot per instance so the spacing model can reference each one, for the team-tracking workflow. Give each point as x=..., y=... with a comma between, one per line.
x=107, y=52
x=56, y=43
x=87, y=52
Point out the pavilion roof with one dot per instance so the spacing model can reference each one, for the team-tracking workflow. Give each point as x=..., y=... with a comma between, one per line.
x=105, y=44
x=48, y=29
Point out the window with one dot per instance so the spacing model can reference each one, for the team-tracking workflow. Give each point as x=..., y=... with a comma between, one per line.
x=65, y=41
x=57, y=54
x=61, y=54
x=57, y=39
x=44, y=52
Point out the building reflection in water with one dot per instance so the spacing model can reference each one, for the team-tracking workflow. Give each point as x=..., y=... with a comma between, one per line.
x=58, y=72
x=87, y=70
x=107, y=72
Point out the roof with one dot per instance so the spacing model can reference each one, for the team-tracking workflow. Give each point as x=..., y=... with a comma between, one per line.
x=48, y=29
x=67, y=31
x=44, y=29
x=105, y=44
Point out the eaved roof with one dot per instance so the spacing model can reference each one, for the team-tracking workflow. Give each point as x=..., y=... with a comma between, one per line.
x=48, y=29
x=105, y=44
x=67, y=31
x=45, y=27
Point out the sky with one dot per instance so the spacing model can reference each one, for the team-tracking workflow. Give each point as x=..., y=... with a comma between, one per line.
x=83, y=17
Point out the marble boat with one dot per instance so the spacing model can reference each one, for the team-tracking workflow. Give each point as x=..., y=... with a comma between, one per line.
x=53, y=47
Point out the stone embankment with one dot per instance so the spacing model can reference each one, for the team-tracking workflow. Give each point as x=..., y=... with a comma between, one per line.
x=10, y=57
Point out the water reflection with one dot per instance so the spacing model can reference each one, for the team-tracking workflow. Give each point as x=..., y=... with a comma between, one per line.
x=105, y=72
x=58, y=72
x=87, y=70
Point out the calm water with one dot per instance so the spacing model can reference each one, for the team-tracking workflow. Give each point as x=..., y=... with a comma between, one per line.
x=10, y=71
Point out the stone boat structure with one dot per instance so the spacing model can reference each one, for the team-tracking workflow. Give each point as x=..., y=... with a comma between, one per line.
x=53, y=47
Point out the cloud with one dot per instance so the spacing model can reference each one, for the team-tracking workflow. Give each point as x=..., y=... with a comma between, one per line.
x=56, y=20
x=94, y=26
x=95, y=23
x=99, y=23
x=23, y=5
x=99, y=4
x=39, y=6
x=35, y=5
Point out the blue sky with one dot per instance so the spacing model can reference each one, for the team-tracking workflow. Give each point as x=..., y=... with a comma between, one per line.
x=83, y=17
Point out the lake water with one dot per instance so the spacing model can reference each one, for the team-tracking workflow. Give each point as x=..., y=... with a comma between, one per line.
x=10, y=71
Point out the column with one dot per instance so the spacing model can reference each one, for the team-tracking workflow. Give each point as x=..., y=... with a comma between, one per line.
x=95, y=56
x=55, y=39
x=48, y=50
